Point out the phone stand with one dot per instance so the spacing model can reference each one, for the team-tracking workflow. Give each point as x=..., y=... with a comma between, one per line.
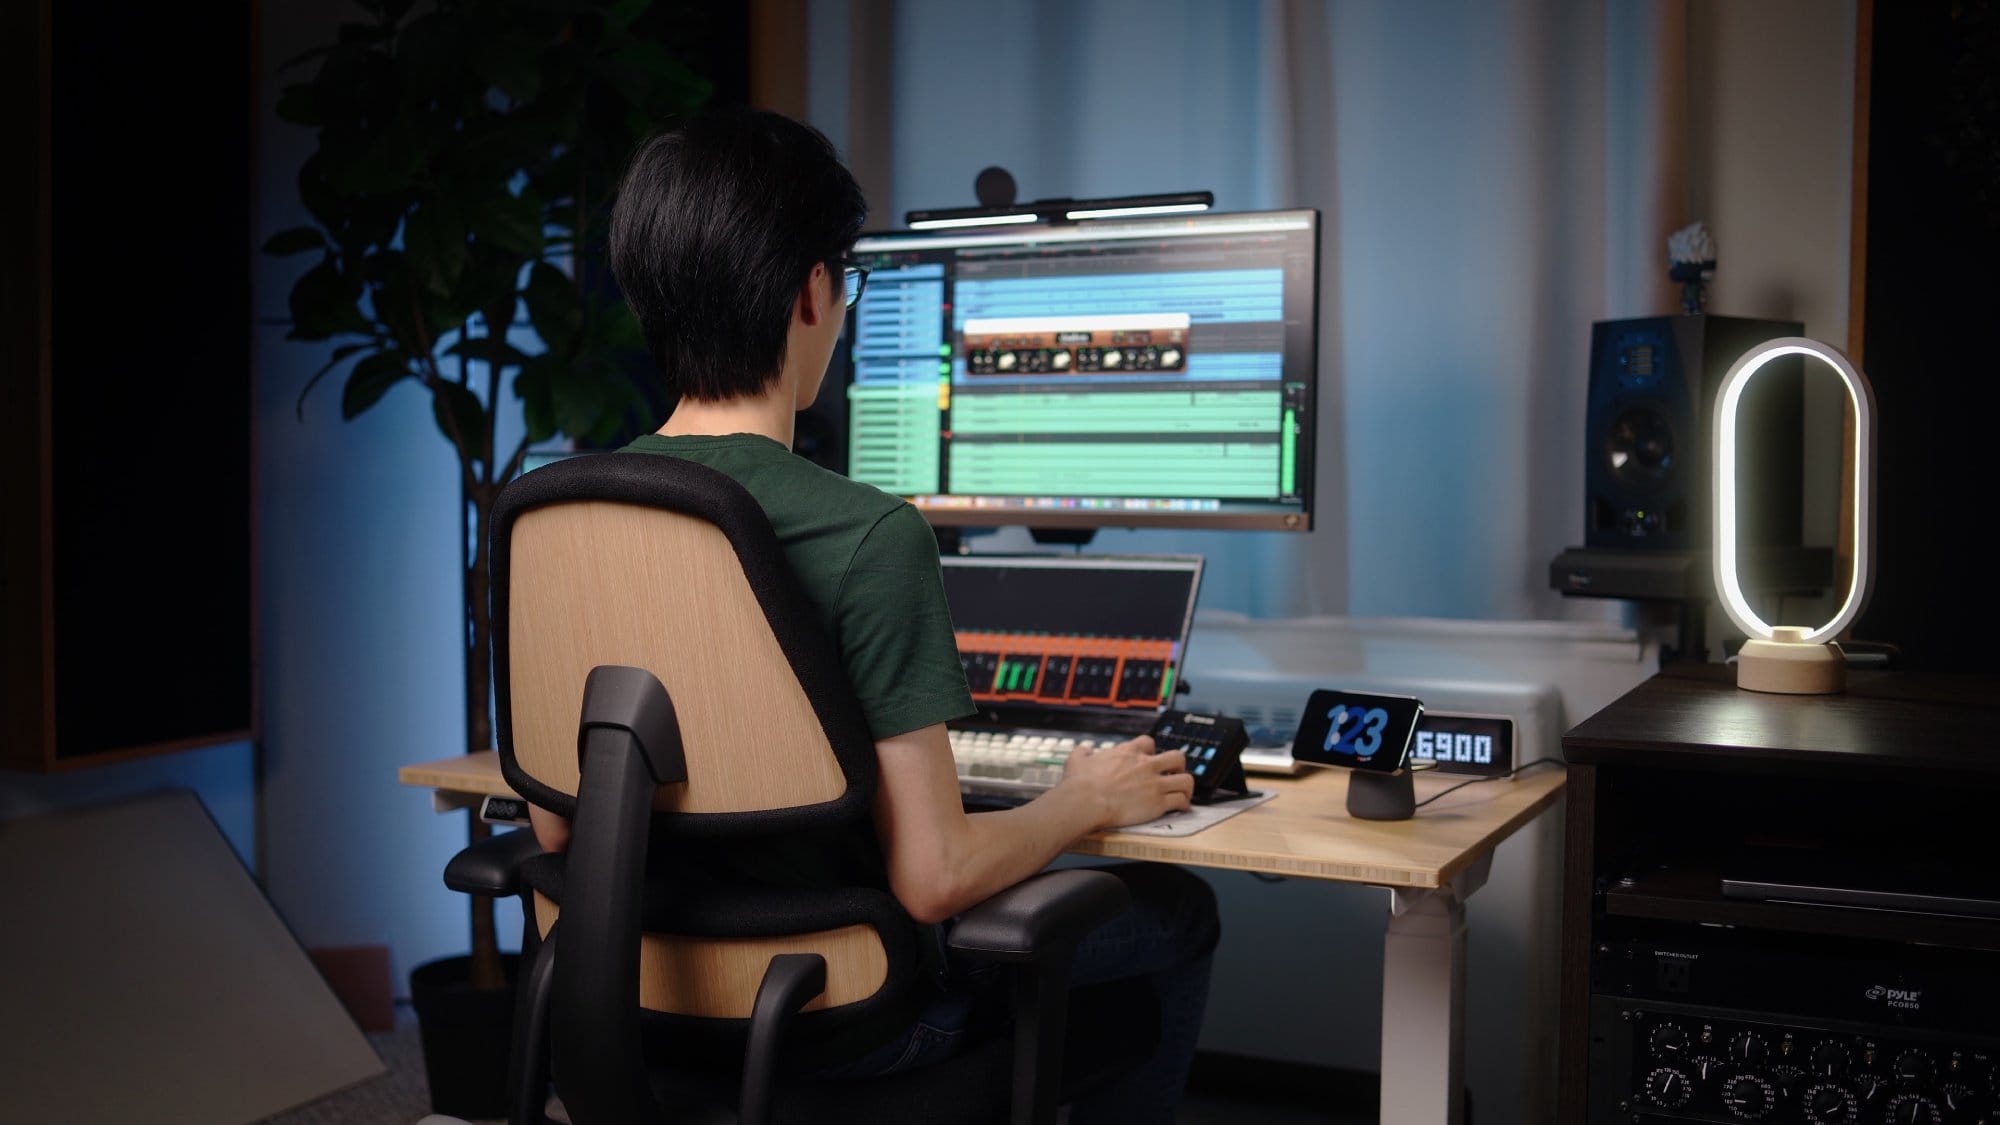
x=1381, y=796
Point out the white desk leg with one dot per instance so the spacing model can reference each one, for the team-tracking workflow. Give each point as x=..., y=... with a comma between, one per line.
x=1423, y=1004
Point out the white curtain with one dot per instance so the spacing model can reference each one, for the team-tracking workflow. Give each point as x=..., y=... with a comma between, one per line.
x=1463, y=157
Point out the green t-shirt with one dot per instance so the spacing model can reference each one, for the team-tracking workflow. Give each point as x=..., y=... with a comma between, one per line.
x=867, y=560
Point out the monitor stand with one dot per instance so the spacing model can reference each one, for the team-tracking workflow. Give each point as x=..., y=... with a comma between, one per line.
x=952, y=540
x=1063, y=536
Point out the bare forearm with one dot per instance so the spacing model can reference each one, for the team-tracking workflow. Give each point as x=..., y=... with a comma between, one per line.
x=999, y=849
x=942, y=861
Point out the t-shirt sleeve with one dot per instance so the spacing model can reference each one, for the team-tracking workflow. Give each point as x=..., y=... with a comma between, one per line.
x=894, y=629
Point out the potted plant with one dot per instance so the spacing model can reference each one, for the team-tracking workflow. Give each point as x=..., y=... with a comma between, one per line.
x=459, y=193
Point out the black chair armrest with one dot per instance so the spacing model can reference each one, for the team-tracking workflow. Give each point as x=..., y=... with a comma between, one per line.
x=493, y=865
x=1040, y=918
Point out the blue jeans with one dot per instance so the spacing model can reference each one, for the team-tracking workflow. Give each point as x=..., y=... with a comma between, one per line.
x=1167, y=936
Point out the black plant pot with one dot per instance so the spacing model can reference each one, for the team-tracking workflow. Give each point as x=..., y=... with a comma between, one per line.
x=466, y=1034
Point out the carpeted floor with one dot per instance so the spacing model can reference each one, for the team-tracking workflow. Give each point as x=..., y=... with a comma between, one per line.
x=402, y=1097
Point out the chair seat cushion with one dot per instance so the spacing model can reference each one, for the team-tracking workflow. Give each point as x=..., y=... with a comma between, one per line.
x=1111, y=1028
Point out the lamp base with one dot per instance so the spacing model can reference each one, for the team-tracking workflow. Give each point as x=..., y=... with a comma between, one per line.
x=1787, y=665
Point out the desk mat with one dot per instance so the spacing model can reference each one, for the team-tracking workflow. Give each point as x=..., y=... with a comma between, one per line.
x=1197, y=818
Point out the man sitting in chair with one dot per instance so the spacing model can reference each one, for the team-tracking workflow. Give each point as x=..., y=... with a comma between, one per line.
x=728, y=241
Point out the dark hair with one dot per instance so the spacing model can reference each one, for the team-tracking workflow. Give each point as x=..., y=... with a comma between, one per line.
x=716, y=226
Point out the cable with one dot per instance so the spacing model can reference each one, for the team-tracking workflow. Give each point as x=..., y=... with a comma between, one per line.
x=1508, y=776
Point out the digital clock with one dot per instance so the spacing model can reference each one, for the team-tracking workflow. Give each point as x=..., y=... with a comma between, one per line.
x=1480, y=745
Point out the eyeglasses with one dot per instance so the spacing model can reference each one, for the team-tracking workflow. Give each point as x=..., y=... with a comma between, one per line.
x=853, y=279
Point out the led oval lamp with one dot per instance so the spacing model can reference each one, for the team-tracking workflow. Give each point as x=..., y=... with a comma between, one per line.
x=1791, y=658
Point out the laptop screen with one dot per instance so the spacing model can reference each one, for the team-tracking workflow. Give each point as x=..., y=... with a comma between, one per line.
x=1089, y=641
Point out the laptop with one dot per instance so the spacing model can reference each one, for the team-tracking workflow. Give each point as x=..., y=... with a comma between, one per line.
x=1062, y=649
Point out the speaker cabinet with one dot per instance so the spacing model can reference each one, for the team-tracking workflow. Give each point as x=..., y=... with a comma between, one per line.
x=1648, y=447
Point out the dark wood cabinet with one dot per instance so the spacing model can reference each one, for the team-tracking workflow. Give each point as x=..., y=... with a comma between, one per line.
x=1892, y=786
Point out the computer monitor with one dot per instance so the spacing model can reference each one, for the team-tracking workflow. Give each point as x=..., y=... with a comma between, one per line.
x=1109, y=373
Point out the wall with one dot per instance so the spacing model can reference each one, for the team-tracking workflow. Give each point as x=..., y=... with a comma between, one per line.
x=1771, y=117
x=1771, y=122
x=362, y=606
x=221, y=776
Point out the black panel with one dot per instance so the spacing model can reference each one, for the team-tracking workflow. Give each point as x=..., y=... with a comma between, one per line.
x=151, y=398
x=1933, y=241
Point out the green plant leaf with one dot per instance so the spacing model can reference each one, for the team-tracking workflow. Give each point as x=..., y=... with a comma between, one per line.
x=511, y=222
x=449, y=312
x=496, y=316
x=340, y=353
x=295, y=240
x=361, y=33
x=534, y=387
x=452, y=404
x=636, y=66
x=325, y=302
x=615, y=331
x=624, y=12
x=511, y=63
x=492, y=280
x=493, y=350
x=370, y=380
x=396, y=301
x=457, y=143
x=299, y=105
x=391, y=161
x=308, y=56
x=428, y=50
x=434, y=240
x=552, y=307
x=589, y=398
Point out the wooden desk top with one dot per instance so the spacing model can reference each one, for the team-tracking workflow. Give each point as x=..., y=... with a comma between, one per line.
x=1693, y=717
x=1304, y=831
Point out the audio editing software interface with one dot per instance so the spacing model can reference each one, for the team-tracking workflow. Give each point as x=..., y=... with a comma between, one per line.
x=1155, y=367
x=1072, y=632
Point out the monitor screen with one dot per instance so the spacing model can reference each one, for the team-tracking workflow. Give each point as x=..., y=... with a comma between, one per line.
x=1045, y=635
x=1113, y=373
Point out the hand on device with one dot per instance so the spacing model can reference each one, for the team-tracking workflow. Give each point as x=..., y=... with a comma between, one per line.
x=1131, y=782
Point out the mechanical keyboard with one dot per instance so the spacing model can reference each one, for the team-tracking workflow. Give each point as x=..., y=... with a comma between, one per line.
x=1014, y=766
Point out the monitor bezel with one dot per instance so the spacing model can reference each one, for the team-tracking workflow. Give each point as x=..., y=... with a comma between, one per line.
x=1296, y=521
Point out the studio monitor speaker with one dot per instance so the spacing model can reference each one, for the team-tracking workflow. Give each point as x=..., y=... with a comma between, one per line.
x=1647, y=445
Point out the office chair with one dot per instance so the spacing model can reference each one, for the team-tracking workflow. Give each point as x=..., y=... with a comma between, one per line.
x=664, y=683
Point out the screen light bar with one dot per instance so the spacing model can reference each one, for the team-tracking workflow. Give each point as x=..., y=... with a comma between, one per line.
x=973, y=221
x=1127, y=212
x=1062, y=210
